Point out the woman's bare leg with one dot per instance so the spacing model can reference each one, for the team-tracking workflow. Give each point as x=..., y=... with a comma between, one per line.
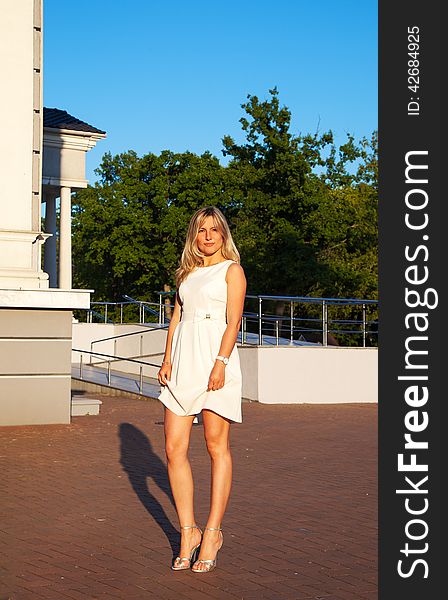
x=216, y=433
x=177, y=439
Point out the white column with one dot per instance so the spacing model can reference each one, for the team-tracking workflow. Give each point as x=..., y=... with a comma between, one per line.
x=65, y=240
x=50, y=244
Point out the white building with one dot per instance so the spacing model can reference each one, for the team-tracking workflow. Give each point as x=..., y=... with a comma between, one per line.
x=35, y=306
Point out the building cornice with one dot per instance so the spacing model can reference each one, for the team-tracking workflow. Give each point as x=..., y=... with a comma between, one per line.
x=73, y=140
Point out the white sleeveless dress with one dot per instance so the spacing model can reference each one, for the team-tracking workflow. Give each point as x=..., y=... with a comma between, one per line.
x=195, y=345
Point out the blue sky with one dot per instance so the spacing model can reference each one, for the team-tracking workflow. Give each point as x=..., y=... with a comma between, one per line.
x=173, y=75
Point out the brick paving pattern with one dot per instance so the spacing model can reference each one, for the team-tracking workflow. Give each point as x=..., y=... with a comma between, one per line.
x=86, y=508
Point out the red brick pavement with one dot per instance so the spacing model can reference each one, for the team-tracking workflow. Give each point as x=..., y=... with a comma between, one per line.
x=86, y=509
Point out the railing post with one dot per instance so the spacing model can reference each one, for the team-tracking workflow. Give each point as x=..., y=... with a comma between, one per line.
x=80, y=367
x=121, y=313
x=105, y=317
x=324, y=323
x=292, y=321
x=141, y=379
x=160, y=309
x=108, y=372
x=364, y=320
x=260, y=333
x=276, y=333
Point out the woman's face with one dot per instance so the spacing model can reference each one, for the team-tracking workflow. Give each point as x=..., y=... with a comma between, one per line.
x=209, y=239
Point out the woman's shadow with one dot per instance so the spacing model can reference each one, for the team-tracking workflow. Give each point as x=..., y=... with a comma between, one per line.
x=140, y=463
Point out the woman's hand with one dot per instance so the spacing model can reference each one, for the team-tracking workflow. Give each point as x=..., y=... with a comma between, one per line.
x=164, y=374
x=217, y=376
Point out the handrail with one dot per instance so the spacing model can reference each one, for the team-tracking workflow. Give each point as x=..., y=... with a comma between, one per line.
x=134, y=301
x=300, y=298
x=313, y=299
x=114, y=337
x=117, y=359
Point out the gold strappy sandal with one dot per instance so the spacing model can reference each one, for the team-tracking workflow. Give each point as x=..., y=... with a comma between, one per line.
x=178, y=564
x=211, y=563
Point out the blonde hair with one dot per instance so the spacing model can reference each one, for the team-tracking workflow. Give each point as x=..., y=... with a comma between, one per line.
x=192, y=257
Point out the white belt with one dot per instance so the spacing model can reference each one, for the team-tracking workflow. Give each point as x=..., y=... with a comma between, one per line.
x=200, y=314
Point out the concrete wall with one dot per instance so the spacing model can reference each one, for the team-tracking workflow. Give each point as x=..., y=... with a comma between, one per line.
x=35, y=367
x=307, y=374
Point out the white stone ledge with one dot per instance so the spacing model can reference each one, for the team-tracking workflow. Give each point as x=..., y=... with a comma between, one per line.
x=49, y=298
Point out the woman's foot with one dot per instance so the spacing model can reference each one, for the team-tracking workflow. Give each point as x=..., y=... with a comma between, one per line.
x=212, y=541
x=191, y=537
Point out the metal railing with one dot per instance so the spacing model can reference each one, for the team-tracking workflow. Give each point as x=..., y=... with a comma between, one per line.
x=315, y=321
x=143, y=307
x=273, y=325
x=108, y=362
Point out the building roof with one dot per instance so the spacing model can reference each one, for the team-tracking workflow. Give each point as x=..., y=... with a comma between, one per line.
x=60, y=119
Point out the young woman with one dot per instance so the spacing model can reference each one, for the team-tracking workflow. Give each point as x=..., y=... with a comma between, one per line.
x=201, y=373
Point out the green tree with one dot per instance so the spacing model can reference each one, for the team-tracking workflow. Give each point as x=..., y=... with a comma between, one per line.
x=303, y=212
x=307, y=223
x=129, y=229
x=276, y=193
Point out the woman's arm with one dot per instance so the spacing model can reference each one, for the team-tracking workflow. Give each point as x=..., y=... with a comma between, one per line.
x=236, y=293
